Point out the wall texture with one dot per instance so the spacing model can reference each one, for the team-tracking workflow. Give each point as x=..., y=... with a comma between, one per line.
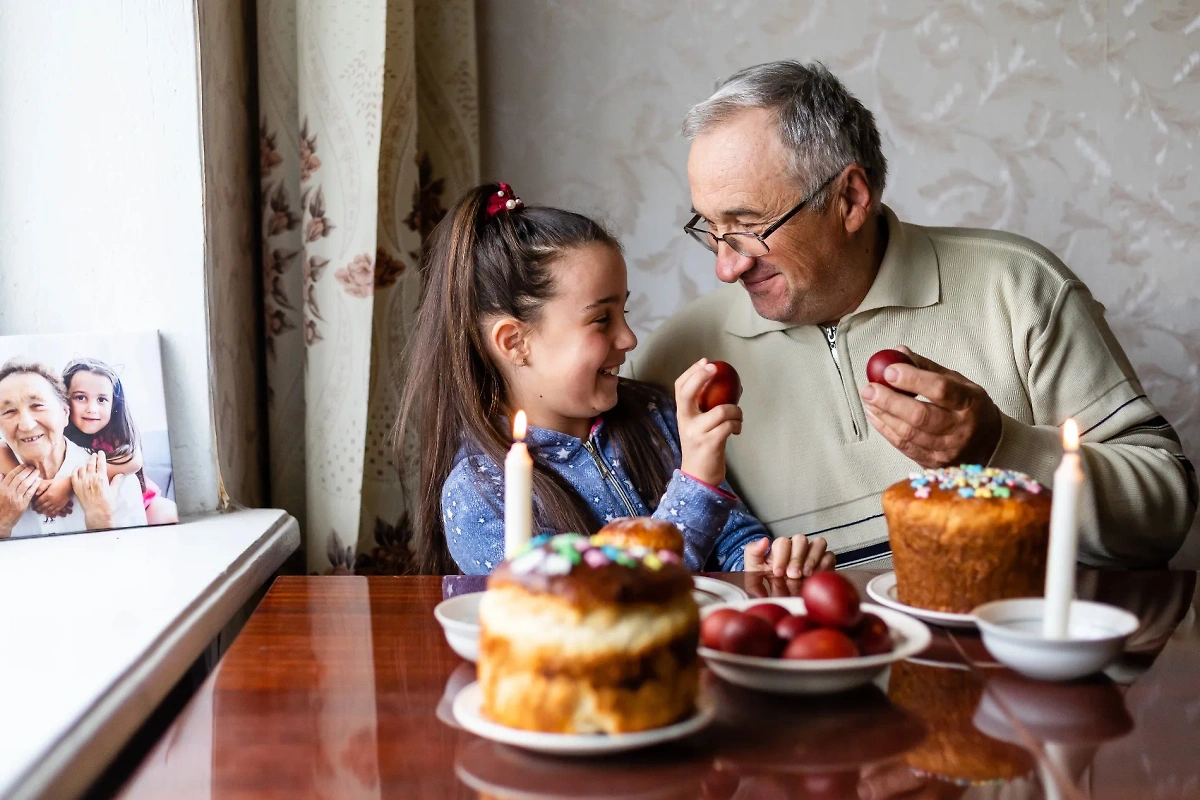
x=101, y=224
x=1071, y=123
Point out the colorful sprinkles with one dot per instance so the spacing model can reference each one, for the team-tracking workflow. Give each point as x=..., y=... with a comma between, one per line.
x=972, y=480
x=561, y=553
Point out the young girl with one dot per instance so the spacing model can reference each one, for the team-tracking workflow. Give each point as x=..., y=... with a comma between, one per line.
x=99, y=421
x=523, y=308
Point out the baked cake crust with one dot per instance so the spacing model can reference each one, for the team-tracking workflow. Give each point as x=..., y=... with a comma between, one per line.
x=656, y=534
x=964, y=536
x=576, y=638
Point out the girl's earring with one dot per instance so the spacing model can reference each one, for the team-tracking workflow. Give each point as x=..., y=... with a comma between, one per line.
x=524, y=362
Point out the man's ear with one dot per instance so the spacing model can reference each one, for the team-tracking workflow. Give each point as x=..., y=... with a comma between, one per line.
x=855, y=199
x=509, y=341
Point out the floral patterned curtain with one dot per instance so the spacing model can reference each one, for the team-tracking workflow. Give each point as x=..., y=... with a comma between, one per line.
x=369, y=125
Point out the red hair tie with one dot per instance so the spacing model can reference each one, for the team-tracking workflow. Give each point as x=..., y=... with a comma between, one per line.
x=503, y=200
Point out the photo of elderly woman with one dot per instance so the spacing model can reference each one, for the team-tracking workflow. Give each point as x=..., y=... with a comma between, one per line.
x=72, y=459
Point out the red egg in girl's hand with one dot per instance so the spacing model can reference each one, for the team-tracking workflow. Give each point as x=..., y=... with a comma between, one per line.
x=879, y=362
x=723, y=388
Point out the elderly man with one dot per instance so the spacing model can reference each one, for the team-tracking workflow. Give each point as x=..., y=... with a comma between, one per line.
x=786, y=176
x=33, y=417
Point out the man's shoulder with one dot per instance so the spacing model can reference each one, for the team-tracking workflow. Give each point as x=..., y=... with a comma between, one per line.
x=998, y=255
x=692, y=332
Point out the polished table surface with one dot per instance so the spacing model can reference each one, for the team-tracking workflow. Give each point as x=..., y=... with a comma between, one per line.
x=339, y=687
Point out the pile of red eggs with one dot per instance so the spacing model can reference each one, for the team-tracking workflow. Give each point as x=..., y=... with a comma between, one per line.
x=832, y=627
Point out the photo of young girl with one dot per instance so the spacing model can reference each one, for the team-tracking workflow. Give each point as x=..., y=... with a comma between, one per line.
x=71, y=442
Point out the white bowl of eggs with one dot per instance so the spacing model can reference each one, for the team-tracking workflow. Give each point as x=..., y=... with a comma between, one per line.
x=822, y=642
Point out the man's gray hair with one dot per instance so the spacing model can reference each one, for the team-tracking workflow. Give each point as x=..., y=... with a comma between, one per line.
x=822, y=125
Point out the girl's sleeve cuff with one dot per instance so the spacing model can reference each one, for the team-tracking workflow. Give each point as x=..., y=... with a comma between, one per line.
x=709, y=486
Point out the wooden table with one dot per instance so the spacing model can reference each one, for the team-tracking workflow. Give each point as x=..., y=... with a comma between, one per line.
x=340, y=688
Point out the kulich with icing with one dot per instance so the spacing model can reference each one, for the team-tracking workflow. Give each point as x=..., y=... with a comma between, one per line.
x=964, y=536
x=656, y=534
x=584, y=637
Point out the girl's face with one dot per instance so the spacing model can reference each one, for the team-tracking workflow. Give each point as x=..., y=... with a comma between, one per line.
x=577, y=344
x=91, y=401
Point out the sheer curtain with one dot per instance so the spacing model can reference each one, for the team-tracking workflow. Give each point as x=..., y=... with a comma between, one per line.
x=368, y=129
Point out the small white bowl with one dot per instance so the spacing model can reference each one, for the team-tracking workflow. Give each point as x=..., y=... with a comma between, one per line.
x=459, y=618
x=816, y=676
x=1012, y=632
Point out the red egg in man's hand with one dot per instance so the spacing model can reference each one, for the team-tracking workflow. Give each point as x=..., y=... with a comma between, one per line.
x=879, y=363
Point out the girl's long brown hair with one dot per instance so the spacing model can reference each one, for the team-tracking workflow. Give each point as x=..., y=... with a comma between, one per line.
x=478, y=267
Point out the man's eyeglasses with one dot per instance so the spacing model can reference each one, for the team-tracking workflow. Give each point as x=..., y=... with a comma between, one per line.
x=752, y=245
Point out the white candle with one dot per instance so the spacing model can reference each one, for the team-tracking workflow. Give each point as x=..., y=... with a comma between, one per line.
x=518, y=491
x=1064, y=536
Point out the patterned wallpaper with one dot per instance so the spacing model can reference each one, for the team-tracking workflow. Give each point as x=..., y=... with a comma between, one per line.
x=1073, y=123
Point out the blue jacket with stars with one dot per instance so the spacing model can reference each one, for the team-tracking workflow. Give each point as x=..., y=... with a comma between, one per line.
x=715, y=525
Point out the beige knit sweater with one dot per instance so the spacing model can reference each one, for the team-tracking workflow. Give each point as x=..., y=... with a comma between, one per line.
x=999, y=309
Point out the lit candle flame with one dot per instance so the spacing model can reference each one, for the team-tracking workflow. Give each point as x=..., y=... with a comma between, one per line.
x=519, y=426
x=1070, y=436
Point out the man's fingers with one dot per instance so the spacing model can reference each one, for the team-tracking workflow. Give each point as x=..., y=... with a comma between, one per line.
x=781, y=549
x=828, y=562
x=925, y=416
x=922, y=362
x=946, y=390
x=795, y=565
x=907, y=434
x=816, y=551
x=882, y=423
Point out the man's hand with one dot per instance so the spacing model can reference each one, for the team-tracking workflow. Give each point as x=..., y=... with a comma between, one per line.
x=702, y=434
x=53, y=498
x=95, y=493
x=796, y=557
x=959, y=425
x=17, y=489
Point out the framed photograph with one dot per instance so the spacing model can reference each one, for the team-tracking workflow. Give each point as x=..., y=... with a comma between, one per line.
x=84, y=444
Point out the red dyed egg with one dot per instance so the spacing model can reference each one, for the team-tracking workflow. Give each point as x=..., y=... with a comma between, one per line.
x=714, y=624
x=771, y=612
x=879, y=362
x=830, y=600
x=821, y=643
x=792, y=626
x=872, y=636
x=723, y=388
x=749, y=636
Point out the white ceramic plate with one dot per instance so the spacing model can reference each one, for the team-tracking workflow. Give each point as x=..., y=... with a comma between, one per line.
x=818, y=676
x=882, y=589
x=459, y=616
x=711, y=590
x=467, y=711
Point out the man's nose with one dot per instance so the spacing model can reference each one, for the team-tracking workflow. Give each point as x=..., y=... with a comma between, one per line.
x=731, y=264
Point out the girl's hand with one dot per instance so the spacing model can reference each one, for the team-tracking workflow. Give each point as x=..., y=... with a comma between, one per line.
x=702, y=435
x=791, y=558
x=53, y=498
